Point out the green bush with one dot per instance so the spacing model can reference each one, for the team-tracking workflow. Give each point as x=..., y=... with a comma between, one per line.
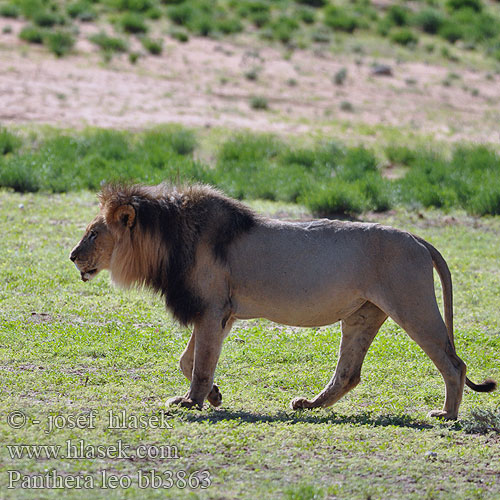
x=259, y=102
x=109, y=43
x=313, y=3
x=83, y=161
x=228, y=25
x=179, y=35
x=9, y=10
x=32, y=34
x=429, y=20
x=135, y=5
x=451, y=31
x=181, y=13
x=9, y=142
x=401, y=155
x=81, y=10
x=404, y=36
x=335, y=197
x=244, y=147
x=338, y=19
x=47, y=19
x=153, y=46
x=284, y=28
x=340, y=76
x=306, y=15
x=469, y=180
x=475, y=5
x=398, y=15
x=59, y=42
x=133, y=23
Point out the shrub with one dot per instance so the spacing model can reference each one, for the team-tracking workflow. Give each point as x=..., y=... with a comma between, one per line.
x=9, y=10
x=135, y=5
x=306, y=15
x=451, y=31
x=181, y=13
x=356, y=163
x=179, y=35
x=153, y=46
x=340, y=77
x=429, y=20
x=284, y=28
x=338, y=19
x=347, y=106
x=182, y=141
x=401, y=155
x=475, y=5
x=133, y=23
x=313, y=3
x=8, y=142
x=133, y=57
x=398, y=15
x=229, y=25
x=47, y=19
x=31, y=34
x=245, y=147
x=404, y=36
x=109, y=43
x=334, y=198
x=259, y=102
x=59, y=42
x=81, y=10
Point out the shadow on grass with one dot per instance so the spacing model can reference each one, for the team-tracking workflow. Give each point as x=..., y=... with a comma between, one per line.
x=308, y=417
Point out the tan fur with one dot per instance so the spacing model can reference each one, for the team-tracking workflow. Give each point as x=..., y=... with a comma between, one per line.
x=216, y=262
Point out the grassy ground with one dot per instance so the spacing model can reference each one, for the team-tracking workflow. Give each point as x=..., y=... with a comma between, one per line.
x=67, y=347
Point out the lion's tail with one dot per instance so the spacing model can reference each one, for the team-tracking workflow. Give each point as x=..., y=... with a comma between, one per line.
x=445, y=276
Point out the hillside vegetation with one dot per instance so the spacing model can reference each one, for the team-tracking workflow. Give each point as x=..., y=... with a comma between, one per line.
x=474, y=25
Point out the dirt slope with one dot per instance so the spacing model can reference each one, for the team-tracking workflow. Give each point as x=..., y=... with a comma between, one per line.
x=204, y=83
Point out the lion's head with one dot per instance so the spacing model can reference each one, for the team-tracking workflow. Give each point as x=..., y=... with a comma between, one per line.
x=107, y=242
x=93, y=252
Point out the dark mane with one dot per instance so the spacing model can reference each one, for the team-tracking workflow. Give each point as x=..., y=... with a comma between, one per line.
x=176, y=221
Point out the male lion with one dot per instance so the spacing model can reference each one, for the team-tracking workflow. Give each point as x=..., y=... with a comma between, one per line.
x=215, y=261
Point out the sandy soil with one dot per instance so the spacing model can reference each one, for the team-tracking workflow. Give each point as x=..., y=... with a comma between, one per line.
x=203, y=83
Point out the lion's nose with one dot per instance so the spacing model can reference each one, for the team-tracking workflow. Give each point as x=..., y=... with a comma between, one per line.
x=72, y=256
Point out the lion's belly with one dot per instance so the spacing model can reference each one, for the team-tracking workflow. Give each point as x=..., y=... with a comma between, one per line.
x=297, y=277
x=306, y=313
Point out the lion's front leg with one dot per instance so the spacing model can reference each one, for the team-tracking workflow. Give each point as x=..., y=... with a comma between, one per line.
x=199, y=361
x=186, y=363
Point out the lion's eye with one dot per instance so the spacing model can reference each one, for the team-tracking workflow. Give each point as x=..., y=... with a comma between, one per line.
x=92, y=235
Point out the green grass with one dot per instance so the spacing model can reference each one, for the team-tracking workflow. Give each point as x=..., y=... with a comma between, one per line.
x=328, y=177
x=67, y=347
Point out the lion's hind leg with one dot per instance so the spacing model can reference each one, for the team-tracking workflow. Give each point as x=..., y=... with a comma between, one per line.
x=429, y=332
x=358, y=332
x=421, y=319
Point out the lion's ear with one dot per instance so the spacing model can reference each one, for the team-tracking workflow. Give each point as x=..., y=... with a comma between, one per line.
x=125, y=215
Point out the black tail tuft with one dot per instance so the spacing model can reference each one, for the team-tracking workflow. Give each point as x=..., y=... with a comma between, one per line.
x=487, y=386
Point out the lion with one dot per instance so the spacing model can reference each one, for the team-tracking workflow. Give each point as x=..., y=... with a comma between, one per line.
x=214, y=261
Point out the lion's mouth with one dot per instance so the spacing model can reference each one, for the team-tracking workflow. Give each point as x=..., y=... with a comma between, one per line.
x=88, y=275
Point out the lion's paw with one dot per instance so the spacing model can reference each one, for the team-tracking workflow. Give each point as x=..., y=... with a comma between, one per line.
x=446, y=415
x=215, y=396
x=300, y=403
x=183, y=402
